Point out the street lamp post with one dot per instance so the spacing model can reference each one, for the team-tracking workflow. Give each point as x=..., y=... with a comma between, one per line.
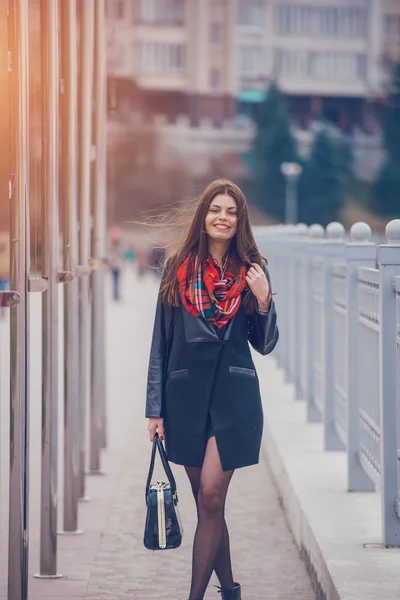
x=292, y=172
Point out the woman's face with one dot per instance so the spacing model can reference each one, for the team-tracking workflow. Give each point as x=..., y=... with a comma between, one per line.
x=221, y=219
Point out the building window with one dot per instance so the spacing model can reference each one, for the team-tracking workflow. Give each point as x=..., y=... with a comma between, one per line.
x=342, y=66
x=161, y=58
x=158, y=12
x=250, y=62
x=216, y=34
x=392, y=26
x=176, y=57
x=117, y=58
x=321, y=20
x=250, y=12
x=215, y=79
x=338, y=66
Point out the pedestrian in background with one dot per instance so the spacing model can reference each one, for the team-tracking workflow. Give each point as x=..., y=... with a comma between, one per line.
x=116, y=263
x=4, y=263
x=129, y=255
x=202, y=392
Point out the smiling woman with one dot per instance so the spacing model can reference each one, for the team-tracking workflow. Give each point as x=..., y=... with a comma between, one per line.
x=220, y=224
x=202, y=392
x=221, y=220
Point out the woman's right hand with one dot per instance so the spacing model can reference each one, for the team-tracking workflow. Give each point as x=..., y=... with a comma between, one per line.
x=156, y=424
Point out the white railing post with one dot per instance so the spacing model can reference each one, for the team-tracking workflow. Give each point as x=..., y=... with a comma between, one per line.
x=291, y=309
x=389, y=266
x=292, y=293
x=297, y=298
x=359, y=252
x=333, y=249
x=278, y=285
x=271, y=248
x=316, y=233
x=284, y=319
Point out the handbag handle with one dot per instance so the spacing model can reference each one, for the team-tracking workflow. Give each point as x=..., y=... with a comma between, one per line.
x=157, y=444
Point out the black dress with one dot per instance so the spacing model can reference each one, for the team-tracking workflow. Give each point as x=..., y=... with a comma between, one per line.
x=209, y=427
x=203, y=382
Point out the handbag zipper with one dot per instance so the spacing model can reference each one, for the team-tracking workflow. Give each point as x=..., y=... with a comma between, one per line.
x=162, y=532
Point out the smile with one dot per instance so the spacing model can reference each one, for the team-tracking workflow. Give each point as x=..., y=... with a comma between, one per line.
x=221, y=227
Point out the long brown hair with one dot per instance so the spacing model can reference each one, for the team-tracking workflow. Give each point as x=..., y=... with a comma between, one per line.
x=243, y=247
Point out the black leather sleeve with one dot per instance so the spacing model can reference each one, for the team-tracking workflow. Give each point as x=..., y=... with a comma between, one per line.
x=263, y=333
x=157, y=364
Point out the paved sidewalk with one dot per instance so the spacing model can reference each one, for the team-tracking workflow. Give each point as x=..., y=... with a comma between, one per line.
x=109, y=561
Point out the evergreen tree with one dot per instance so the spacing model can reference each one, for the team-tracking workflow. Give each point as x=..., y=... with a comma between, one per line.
x=345, y=163
x=273, y=145
x=321, y=185
x=386, y=189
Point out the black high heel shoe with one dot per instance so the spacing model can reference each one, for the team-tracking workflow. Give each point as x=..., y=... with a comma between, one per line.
x=233, y=594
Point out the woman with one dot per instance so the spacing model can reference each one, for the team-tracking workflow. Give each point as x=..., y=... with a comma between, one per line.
x=202, y=392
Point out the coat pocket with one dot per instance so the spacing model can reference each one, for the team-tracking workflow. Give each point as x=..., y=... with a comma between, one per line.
x=178, y=374
x=242, y=371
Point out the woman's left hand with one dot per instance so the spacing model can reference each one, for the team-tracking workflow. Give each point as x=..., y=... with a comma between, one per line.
x=258, y=284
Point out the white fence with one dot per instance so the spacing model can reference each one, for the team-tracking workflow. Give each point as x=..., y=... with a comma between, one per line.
x=338, y=304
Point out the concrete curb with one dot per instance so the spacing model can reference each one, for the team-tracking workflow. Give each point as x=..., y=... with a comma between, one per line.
x=338, y=533
x=304, y=538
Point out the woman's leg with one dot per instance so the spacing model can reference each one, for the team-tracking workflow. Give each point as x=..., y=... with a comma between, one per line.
x=222, y=564
x=214, y=483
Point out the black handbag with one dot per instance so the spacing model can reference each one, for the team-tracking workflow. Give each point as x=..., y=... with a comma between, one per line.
x=163, y=528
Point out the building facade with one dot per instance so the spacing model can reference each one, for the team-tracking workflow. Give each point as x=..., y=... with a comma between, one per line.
x=211, y=58
x=177, y=51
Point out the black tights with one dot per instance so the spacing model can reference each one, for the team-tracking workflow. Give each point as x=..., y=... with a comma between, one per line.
x=211, y=542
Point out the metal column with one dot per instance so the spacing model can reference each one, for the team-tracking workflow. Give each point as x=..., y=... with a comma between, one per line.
x=19, y=481
x=50, y=309
x=86, y=35
x=69, y=196
x=98, y=380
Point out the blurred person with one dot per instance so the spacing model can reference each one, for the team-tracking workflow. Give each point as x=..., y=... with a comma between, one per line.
x=115, y=233
x=129, y=255
x=4, y=263
x=202, y=390
x=116, y=263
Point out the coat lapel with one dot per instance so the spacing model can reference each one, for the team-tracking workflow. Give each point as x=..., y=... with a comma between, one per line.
x=198, y=329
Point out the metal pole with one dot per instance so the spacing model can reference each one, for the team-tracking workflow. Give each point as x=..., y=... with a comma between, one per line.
x=291, y=200
x=69, y=108
x=294, y=200
x=287, y=201
x=19, y=460
x=50, y=308
x=98, y=382
x=86, y=29
x=102, y=143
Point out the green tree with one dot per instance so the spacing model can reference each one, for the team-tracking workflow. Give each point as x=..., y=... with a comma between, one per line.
x=321, y=190
x=345, y=163
x=386, y=188
x=273, y=145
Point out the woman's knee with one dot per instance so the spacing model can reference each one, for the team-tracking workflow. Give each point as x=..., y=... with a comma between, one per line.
x=194, y=478
x=210, y=500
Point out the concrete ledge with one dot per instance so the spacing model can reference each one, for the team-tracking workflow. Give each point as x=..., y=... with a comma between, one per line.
x=338, y=533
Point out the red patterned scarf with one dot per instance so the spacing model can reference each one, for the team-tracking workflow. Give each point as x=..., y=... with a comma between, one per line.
x=216, y=293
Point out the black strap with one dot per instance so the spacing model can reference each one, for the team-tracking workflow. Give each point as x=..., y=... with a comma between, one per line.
x=169, y=324
x=157, y=443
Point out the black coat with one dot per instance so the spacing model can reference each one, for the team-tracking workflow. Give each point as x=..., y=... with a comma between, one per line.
x=196, y=371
